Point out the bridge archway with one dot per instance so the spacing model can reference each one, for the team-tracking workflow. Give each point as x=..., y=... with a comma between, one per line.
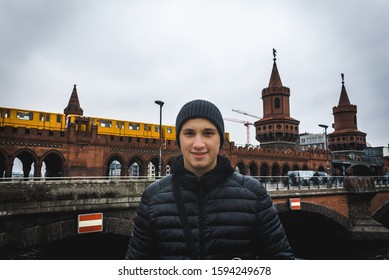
x=115, y=166
x=29, y=162
x=275, y=169
x=153, y=167
x=360, y=170
x=296, y=167
x=54, y=164
x=316, y=231
x=264, y=170
x=168, y=166
x=241, y=168
x=382, y=215
x=285, y=169
x=136, y=167
x=253, y=169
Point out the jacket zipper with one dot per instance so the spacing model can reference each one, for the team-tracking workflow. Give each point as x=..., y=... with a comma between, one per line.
x=201, y=220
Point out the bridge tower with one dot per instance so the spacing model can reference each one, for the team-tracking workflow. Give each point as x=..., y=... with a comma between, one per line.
x=346, y=142
x=73, y=104
x=276, y=129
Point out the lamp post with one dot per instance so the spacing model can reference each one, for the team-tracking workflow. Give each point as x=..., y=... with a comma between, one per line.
x=326, y=148
x=160, y=103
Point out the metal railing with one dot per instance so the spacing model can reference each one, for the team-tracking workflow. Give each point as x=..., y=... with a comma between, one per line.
x=271, y=183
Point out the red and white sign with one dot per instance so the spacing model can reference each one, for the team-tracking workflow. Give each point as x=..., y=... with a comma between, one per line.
x=294, y=204
x=88, y=223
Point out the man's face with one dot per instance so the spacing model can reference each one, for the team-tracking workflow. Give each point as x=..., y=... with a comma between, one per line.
x=200, y=144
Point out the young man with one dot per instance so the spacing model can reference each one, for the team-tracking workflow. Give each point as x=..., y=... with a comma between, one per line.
x=204, y=210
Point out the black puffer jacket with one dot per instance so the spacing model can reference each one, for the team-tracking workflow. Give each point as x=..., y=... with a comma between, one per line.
x=230, y=216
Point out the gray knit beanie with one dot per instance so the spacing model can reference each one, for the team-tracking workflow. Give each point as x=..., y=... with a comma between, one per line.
x=200, y=109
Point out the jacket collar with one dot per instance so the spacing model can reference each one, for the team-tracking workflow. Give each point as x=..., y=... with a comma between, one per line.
x=211, y=179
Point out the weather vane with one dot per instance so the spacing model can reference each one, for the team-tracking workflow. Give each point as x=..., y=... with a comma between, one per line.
x=274, y=54
x=341, y=74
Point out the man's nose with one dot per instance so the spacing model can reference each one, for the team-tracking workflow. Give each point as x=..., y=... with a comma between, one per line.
x=199, y=141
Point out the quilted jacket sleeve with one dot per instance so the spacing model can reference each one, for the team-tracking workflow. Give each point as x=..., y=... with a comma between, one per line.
x=142, y=245
x=272, y=242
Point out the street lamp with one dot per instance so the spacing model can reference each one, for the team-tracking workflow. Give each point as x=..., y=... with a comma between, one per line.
x=326, y=148
x=160, y=103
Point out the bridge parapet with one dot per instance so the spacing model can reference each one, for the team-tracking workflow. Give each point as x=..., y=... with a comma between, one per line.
x=361, y=192
x=28, y=197
x=358, y=184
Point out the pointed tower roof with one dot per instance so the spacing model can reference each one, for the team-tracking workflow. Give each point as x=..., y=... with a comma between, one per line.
x=74, y=104
x=343, y=100
x=275, y=79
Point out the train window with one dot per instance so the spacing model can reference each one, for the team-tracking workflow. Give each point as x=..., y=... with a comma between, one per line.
x=120, y=125
x=59, y=118
x=4, y=113
x=41, y=117
x=147, y=127
x=169, y=130
x=22, y=115
x=157, y=128
x=134, y=126
x=47, y=117
x=105, y=123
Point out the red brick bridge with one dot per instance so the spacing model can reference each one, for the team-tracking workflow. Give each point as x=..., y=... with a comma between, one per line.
x=34, y=213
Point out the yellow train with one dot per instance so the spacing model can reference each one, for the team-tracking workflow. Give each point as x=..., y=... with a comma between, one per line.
x=123, y=128
x=59, y=122
x=31, y=119
x=54, y=121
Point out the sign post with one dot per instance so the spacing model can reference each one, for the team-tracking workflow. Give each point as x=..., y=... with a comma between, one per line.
x=88, y=223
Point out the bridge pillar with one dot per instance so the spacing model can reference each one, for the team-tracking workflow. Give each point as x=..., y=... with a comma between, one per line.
x=364, y=227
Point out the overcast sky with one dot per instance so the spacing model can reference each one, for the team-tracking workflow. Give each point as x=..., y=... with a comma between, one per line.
x=124, y=55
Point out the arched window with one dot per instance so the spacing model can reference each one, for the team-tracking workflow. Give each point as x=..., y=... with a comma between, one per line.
x=277, y=103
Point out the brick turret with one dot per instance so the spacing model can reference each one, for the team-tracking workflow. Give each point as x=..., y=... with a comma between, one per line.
x=276, y=130
x=346, y=135
x=73, y=104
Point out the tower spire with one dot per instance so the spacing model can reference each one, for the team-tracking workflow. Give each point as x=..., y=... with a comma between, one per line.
x=343, y=99
x=276, y=129
x=74, y=104
x=275, y=79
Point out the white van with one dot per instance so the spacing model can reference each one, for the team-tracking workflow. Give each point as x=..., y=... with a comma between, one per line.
x=306, y=177
x=300, y=177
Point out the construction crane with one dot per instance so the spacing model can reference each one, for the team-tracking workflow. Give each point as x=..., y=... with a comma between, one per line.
x=246, y=123
x=244, y=113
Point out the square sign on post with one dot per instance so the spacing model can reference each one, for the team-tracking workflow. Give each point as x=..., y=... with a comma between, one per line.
x=294, y=204
x=88, y=223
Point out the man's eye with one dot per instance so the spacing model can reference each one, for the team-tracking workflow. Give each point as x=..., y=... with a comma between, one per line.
x=209, y=133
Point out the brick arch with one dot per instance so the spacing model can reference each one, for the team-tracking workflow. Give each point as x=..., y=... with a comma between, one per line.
x=275, y=169
x=141, y=163
x=317, y=209
x=56, y=169
x=62, y=227
x=265, y=170
x=27, y=157
x=253, y=169
x=242, y=167
x=111, y=159
x=168, y=166
x=381, y=214
x=155, y=161
x=285, y=169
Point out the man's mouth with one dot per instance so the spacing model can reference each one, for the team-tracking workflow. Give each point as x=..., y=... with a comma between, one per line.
x=197, y=154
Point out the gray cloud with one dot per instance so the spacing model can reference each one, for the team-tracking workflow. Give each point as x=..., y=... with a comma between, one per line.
x=123, y=55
